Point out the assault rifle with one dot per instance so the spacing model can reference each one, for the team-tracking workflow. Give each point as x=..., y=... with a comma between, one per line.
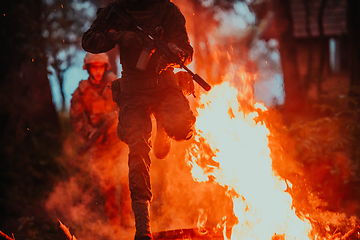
x=153, y=42
x=100, y=132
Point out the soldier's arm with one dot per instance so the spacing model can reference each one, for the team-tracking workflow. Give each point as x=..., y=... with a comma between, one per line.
x=174, y=27
x=96, y=38
x=78, y=117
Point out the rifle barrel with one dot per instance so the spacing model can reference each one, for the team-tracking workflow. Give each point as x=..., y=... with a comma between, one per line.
x=197, y=78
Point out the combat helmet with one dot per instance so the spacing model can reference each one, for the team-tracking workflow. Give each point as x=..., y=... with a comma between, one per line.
x=95, y=58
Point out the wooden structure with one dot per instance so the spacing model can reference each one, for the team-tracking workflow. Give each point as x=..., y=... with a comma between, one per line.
x=320, y=33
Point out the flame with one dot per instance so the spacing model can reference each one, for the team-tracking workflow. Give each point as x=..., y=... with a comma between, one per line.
x=231, y=147
x=67, y=231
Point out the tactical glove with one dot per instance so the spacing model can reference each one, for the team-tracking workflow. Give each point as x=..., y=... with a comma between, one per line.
x=186, y=82
x=164, y=62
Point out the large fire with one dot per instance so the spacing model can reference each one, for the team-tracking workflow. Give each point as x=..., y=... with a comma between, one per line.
x=230, y=147
x=239, y=159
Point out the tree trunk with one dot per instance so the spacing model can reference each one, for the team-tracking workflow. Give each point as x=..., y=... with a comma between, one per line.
x=26, y=98
x=323, y=47
x=293, y=89
x=29, y=125
x=309, y=71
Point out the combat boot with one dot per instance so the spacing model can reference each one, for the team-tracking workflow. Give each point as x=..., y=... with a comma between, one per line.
x=162, y=143
x=141, y=209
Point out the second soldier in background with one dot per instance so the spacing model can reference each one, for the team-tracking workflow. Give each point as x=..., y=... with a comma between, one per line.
x=92, y=108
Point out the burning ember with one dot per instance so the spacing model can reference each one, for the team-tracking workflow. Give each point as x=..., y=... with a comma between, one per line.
x=231, y=148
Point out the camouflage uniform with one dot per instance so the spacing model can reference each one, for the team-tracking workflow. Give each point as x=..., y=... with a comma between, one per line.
x=91, y=105
x=144, y=93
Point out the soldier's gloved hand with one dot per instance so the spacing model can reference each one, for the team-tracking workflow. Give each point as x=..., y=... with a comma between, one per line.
x=164, y=62
x=99, y=139
x=91, y=133
x=186, y=82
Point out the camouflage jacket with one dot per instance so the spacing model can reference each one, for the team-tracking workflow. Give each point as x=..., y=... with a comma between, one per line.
x=91, y=106
x=98, y=39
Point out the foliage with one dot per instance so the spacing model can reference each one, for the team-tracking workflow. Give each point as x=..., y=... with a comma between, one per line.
x=63, y=24
x=319, y=156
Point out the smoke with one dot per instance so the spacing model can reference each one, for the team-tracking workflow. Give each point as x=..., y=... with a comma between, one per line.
x=233, y=23
x=85, y=203
x=178, y=199
x=94, y=201
x=226, y=38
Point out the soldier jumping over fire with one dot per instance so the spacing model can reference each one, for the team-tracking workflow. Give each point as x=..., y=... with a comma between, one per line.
x=148, y=86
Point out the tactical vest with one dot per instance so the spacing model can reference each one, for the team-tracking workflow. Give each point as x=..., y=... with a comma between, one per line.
x=96, y=100
x=131, y=49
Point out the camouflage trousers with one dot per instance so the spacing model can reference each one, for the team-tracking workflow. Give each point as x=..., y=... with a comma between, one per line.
x=171, y=109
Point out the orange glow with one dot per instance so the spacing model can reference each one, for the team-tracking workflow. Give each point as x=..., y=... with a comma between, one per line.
x=239, y=145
